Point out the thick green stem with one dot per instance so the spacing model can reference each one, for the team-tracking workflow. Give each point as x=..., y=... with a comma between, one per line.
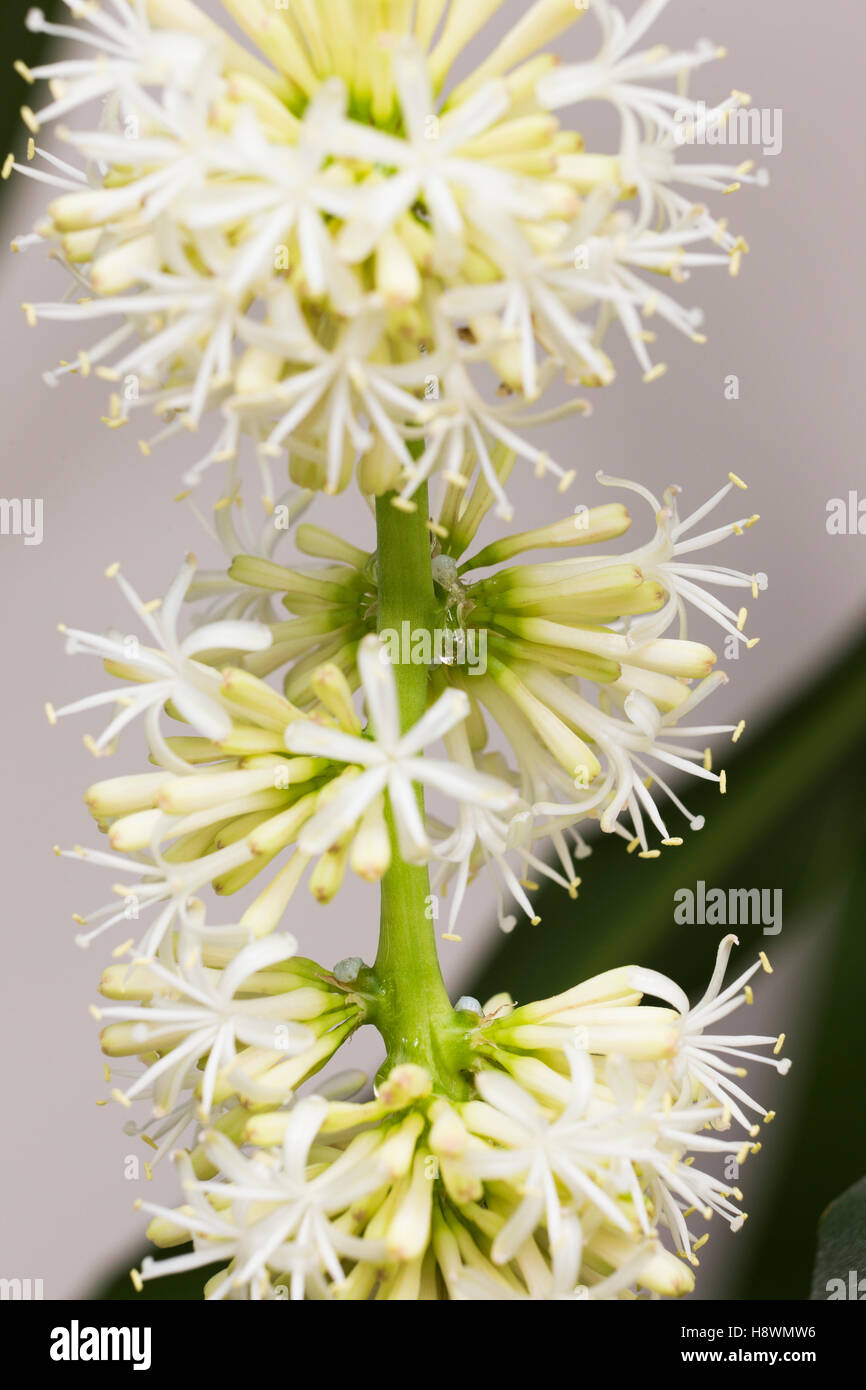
x=405, y=582
x=413, y=1011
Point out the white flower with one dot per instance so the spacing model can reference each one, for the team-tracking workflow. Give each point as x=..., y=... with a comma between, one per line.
x=123, y=57
x=482, y=836
x=701, y=1057
x=276, y=1217
x=169, y=672
x=462, y=425
x=170, y=887
x=225, y=598
x=558, y=1279
x=337, y=254
x=333, y=382
x=598, y=264
x=582, y=1142
x=661, y=1171
x=592, y=694
x=654, y=121
x=648, y=163
x=283, y=192
x=628, y=752
x=538, y=1153
x=429, y=167
x=530, y=298
x=621, y=76
x=304, y=242
x=171, y=158
x=193, y=315
x=684, y=582
x=161, y=1133
x=194, y=1012
x=392, y=761
x=658, y=1102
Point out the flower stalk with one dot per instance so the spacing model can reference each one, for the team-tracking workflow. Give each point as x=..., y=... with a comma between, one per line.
x=413, y=1011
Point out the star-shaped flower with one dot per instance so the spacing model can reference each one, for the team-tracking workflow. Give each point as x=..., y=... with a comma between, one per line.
x=392, y=761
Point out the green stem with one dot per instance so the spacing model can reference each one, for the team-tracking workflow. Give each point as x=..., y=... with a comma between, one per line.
x=413, y=1011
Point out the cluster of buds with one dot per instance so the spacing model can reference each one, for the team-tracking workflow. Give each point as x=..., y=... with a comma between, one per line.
x=577, y=674
x=264, y=1018
x=569, y=658
x=317, y=244
x=562, y=1153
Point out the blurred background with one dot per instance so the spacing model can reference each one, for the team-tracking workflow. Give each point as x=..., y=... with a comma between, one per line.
x=790, y=330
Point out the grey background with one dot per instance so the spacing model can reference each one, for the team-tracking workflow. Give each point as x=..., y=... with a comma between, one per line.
x=790, y=328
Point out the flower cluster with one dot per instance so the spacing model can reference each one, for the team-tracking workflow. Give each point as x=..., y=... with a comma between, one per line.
x=332, y=245
x=577, y=671
x=256, y=777
x=577, y=674
x=562, y=1140
x=264, y=1019
x=556, y=1168
x=337, y=250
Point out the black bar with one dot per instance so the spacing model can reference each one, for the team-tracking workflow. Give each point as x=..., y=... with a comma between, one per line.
x=60, y=1337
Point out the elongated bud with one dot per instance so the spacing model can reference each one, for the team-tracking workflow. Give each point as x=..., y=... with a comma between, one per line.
x=266, y=911
x=253, y=695
x=378, y=469
x=121, y=267
x=332, y=688
x=396, y=273
x=326, y=545
x=543, y=21
x=409, y=1229
x=565, y=745
x=121, y=795
x=582, y=527
x=329, y=872
x=134, y=832
x=398, y=1151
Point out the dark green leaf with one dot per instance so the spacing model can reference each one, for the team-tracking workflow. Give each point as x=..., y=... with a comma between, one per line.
x=826, y=1150
x=184, y=1288
x=17, y=42
x=842, y=1246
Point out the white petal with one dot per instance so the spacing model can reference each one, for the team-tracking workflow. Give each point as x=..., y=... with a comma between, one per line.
x=450, y=709
x=239, y=636
x=643, y=713
x=411, y=835
x=204, y=713
x=517, y=1229
x=463, y=783
x=259, y=955
x=289, y=1038
x=380, y=692
x=317, y=741
x=506, y=1095
x=304, y=1124
x=337, y=818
